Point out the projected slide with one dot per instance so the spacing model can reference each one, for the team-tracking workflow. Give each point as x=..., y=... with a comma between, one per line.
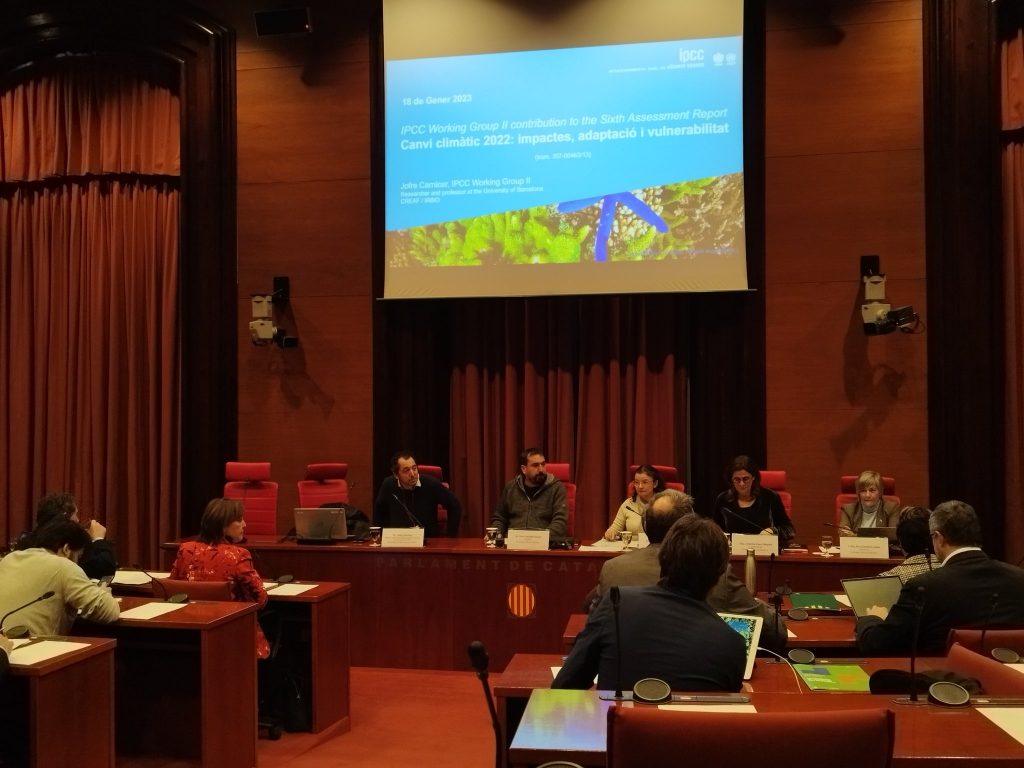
x=599, y=169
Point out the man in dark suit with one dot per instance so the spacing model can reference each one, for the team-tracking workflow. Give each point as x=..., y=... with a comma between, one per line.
x=409, y=499
x=668, y=630
x=969, y=590
x=641, y=568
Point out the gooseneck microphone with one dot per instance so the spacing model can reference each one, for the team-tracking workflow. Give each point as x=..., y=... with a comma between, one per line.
x=179, y=597
x=13, y=632
x=479, y=659
x=616, y=598
x=408, y=512
x=988, y=621
x=918, y=610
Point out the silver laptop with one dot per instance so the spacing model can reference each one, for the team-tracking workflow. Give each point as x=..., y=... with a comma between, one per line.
x=872, y=590
x=320, y=525
x=749, y=628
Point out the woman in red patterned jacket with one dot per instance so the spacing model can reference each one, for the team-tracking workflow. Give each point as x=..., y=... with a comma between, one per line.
x=214, y=557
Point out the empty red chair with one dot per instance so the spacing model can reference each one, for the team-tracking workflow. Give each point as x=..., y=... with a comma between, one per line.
x=856, y=738
x=324, y=484
x=775, y=480
x=563, y=473
x=249, y=482
x=996, y=679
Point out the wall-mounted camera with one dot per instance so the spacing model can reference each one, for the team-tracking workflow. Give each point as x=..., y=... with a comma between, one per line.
x=261, y=327
x=878, y=315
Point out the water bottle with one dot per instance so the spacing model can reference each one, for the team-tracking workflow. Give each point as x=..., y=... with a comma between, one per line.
x=750, y=572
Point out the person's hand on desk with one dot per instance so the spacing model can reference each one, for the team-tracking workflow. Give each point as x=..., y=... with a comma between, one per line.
x=844, y=531
x=769, y=532
x=6, y=645
x=879, y=611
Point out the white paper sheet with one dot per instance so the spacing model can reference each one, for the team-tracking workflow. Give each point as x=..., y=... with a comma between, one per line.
x=43, y=650
x=291, y=589
x=1010, y=719
x=151, y=610
x=137, y=578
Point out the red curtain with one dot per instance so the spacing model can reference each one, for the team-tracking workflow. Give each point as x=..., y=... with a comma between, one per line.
x=1012, y=55
x=597, y=382
x=89, y=238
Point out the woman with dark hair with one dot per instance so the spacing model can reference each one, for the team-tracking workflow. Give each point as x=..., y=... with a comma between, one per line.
x=747, y=507
x=630, y=517
x=215, y=557
x=916, y=540
x=50, y=566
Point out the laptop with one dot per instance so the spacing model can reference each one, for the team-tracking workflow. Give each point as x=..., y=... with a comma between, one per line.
x=872, y=590
x=749, y=628
x=320, y=525
x=889, y=533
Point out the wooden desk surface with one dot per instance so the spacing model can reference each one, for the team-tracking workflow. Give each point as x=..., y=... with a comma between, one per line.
x=572, y=725
x=41, y=715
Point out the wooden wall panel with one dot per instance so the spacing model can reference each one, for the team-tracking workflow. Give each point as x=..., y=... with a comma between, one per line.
x=844, y=177
x=304, y=210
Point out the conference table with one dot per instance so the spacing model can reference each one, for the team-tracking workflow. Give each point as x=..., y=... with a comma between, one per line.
x=185, y=682
x=316, y=628
x=572, y=725
x=43, y=723
x=421, y=607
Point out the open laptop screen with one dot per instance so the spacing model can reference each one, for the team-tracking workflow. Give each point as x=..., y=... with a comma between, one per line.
x=320, y=524
x=749, y=628
x=873, y=590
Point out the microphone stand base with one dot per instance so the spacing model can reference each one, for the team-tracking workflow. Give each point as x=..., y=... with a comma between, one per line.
x=908, y=701
x=610, y=696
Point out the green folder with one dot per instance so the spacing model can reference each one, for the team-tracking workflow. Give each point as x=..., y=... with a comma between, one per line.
x=815, y=601
x=834, y=677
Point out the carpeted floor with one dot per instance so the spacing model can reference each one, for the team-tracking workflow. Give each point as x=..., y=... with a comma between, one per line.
x=400, y=717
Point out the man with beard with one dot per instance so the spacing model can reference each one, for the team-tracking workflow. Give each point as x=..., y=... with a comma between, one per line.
x=533, y=499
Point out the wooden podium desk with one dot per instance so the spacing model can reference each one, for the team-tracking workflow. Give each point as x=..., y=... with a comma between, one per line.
x=572, y=725
x=185, y=683
x=61, y=711
x=420, y=608
x=322, y=614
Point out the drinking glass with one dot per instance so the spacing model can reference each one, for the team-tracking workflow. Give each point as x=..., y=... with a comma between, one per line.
x=826, y=546
x=627, y=538
x=374, y=536
x=491, y=537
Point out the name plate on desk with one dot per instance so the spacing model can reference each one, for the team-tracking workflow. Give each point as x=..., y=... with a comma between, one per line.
x=401, y=537
x=762, y=545
x=518, y=538
x=864, y=546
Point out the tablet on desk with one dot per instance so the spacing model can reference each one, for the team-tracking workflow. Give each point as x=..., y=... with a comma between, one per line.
x=872, y=590
x=749, y=628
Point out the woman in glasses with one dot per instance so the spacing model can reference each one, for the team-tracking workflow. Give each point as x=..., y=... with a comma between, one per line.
x=748, y=508
x=646, y=482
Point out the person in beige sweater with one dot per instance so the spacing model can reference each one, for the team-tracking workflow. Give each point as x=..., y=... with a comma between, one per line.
x=28, y=576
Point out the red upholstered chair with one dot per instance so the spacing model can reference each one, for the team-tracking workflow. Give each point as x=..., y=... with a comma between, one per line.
x=775, y=480
x=563, y=473
x=324, y=484
x=669, y=476
x=442, y=513
x=196, y=590
x=856, y=738
x=996, y=679
x=972, y=639
x=249, y=482
x=848, y=492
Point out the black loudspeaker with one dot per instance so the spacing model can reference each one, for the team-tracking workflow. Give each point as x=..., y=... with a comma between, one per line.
x=286, y=21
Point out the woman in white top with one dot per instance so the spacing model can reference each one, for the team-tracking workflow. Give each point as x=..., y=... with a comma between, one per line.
x=646, y=482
